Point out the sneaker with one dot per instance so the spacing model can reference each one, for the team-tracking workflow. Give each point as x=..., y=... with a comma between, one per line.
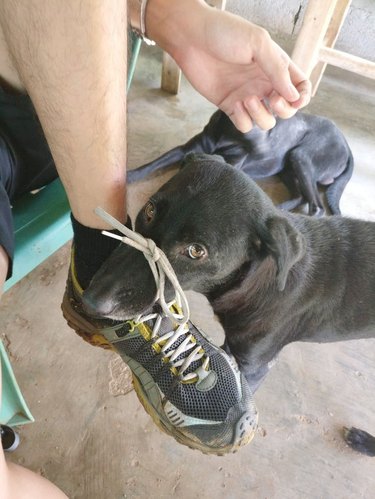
x=192, y=389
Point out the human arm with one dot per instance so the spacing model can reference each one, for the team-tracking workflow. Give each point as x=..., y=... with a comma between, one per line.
x=230, y=61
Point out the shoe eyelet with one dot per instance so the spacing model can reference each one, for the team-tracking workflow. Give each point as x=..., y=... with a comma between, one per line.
x=127, y=327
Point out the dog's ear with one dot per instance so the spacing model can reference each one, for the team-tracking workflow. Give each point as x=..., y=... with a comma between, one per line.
x=284, y=243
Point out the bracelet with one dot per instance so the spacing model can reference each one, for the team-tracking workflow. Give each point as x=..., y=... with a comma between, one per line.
x=141, y=32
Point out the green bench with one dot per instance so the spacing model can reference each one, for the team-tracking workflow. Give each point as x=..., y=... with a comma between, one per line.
x=42, y=225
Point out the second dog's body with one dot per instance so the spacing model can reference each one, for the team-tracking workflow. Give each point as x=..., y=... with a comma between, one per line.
x=308, y=151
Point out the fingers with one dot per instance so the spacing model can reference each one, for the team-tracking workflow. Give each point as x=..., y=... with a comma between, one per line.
x=286, y=78
x=251, y=111
x=240, y=118
x=302, y=84
x=291, y=75
x=304, y=89
x=259, y=113
x=281, y=107
x=291, y=90
x=284, y=109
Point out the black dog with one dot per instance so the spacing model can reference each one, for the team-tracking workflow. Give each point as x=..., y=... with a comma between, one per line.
x=306, y=150
x=271, y=277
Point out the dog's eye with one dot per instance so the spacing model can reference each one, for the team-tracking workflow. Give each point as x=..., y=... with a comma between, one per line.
x=149, y=211
x=196, y=251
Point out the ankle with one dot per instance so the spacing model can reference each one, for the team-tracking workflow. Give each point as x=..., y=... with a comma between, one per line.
x=91, y=249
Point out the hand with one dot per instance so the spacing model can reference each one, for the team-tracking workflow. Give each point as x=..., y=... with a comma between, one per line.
x=235, y=65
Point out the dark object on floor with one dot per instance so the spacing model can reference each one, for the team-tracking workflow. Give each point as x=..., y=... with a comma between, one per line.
x=308, y=151
x=271, y=277
x=360, y=440
x=9, y=438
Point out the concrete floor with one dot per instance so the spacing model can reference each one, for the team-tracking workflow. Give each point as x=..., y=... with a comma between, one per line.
x=95, y=442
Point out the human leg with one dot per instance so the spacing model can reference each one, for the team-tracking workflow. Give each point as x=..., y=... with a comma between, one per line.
x=71, y=59
x=17, y=482
x=76, y=78
x=4, y=260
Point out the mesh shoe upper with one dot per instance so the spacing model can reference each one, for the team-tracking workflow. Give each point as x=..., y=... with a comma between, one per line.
x=207, y=404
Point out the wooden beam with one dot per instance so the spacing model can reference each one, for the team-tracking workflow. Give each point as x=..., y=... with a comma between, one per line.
x=347, y=61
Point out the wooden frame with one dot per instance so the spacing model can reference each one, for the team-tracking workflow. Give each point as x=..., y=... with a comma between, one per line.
x=314, y=48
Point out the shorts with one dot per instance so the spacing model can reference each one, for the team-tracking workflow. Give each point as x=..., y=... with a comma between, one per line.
x=26, y=162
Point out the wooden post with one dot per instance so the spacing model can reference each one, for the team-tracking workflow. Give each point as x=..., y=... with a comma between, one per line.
x=310, y=38
x=348, y=61
x=170, y=75
x=337, y=20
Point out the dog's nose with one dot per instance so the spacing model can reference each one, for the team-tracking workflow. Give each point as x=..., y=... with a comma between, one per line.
x=96, y=307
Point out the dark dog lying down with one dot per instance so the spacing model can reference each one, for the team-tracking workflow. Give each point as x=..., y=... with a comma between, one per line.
x=307, y=150
x=271, y=277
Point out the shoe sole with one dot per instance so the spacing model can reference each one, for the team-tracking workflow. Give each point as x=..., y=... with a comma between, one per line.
x=88, y=332
x=83, y=327
x=181, y=437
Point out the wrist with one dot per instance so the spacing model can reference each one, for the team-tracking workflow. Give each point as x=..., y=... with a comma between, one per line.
x=168, y=22
x=137, y=17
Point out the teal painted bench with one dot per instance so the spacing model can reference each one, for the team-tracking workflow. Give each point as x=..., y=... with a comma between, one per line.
x=42, y=225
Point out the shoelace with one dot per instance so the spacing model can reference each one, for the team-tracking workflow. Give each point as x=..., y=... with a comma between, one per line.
x=161, y=269
x=167, y=340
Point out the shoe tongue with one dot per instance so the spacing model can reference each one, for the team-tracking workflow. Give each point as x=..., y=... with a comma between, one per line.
x=167, y=325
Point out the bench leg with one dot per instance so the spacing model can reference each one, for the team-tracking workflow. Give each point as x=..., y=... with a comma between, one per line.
x=170, y=75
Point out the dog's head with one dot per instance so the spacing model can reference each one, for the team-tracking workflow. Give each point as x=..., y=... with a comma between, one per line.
x=209, y=220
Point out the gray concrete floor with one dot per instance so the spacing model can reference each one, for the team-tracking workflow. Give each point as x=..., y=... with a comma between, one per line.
x=95, y=442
